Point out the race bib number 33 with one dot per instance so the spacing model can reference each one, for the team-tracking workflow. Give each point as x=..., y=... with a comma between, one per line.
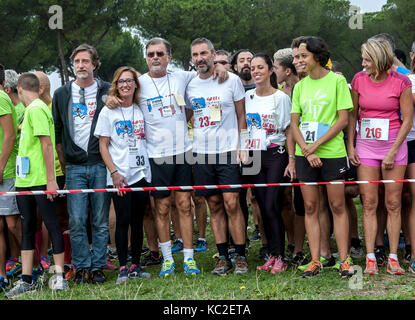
x=377, y=129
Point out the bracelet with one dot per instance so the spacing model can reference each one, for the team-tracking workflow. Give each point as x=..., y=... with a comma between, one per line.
x=114, y=172
x=291, y=156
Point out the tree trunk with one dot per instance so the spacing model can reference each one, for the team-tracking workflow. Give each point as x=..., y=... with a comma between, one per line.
x=62, y=58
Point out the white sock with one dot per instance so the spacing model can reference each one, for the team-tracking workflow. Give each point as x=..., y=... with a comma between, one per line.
x=166, y=251
x=202, y=239
x=187, y=253
x=393, y=256
x=371, y=256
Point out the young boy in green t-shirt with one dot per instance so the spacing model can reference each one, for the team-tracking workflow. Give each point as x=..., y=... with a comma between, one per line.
x=35, y=170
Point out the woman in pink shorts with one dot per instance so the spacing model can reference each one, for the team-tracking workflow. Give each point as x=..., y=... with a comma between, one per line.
x=382, y=99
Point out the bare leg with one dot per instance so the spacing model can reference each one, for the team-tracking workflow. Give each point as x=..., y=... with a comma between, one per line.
x=324, y=221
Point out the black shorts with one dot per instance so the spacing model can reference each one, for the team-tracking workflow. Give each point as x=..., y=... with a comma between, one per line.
x=351, y=174
x=212, y=171
x=332, y=169
x=174, y=171
x=411, y=151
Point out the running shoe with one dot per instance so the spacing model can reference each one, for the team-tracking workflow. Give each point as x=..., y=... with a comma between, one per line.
x=201, y=246
x=110, y=266
x=407, y=255
x=267, y=266
x=241, y=265
x=328, y=262
x=97, y=277
x=151, y=259
x=313, y=269
x=280, y=265
x=346, y=268
x=69, y=271
x=39, y=277
x=144, y=250
x=4, y=284
x=45, y=262
x=20, y=288
x=167, y=268
x=190, y=267
x=223, y=266
x=412, y=265
x=137, y=272
x=15, y=271
x=371, y=267
x=11, y=263
x=123, y=275
x=357, y=252
x=82, y=276
x=299, y=259
x=394, y=267
x=380, y=255
x=256, y=235
x=177, y=246
x=112, y=253
x=59, y=284
x=290, y=250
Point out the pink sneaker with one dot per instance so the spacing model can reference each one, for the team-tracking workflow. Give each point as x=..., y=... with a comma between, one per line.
x=110, y=265
x=268, y=264
x=279, y=266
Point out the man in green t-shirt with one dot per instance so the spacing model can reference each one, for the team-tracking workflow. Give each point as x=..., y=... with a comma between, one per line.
x=8, y=207
x=35, y=171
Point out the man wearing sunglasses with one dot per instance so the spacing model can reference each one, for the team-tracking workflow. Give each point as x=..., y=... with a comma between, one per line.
x=76, y=107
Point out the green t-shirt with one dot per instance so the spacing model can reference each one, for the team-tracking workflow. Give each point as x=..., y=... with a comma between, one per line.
x=7, y=107
x=19, y=115
x=318, y=101
x=58, y=168
x=37, y=122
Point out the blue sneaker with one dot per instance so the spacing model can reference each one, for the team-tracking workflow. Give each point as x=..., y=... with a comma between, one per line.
x=123, y=275
x=190, y=267
x=15, y=271
x=39, y=277
x=177, y=246
x=412, y=265
x=201, y=246
x=167, y=268
x=4, y=284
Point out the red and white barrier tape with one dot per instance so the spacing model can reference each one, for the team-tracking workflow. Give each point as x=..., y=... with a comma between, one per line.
x=189, y=188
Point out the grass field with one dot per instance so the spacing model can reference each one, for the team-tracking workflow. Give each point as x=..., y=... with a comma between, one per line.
x=253, y=286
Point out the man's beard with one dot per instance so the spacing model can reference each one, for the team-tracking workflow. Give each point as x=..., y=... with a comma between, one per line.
x=246, y=76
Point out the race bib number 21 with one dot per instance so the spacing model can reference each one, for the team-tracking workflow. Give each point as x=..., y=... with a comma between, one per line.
x=312, y=131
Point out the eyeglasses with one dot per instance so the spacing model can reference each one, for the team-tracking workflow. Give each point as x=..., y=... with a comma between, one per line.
x=82, y=96
x=222, y=62
x=158, y=53
x=127, y=81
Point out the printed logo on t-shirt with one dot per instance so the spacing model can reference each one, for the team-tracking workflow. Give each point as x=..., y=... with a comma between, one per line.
x=82, y=111
x=315, y=105
x=254, y=120
x=125, y=128
x=261, y=121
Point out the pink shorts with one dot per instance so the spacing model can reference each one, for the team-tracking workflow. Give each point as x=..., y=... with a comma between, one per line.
x=372, y=152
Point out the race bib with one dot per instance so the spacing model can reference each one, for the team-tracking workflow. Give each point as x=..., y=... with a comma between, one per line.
x=163, y=107
x=202, y=118
x=22, y=166
x=137, y=157
x=312, y=131
x=179, y=99
x=377, y=129
x=253, y=140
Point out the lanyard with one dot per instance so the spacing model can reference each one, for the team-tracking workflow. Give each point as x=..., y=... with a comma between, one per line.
x=158, y=92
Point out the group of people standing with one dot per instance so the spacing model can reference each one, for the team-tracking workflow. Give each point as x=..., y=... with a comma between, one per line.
x=286, y=124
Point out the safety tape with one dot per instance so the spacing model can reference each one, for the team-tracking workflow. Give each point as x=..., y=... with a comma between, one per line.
x=190, y=188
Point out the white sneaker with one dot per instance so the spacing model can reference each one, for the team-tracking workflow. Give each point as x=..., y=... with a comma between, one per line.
x=58, y=283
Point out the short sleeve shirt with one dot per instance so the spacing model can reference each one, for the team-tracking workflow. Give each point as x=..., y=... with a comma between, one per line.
x=214, y=137
x=319, y=101
x=6, y=107
x=122, y=125
x=411, y=134
x=37, y=122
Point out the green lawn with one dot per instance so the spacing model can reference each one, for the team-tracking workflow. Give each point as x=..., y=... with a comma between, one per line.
x=253, y=286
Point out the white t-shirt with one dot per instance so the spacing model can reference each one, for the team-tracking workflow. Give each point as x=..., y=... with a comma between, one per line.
x=118, y=125
x=83, y=114
x=268, y=116
x=411, y=134
x=211, y=100
x=165, y=119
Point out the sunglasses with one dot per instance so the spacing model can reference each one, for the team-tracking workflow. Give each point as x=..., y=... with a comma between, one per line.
x=158, y=53
x=223, y=62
